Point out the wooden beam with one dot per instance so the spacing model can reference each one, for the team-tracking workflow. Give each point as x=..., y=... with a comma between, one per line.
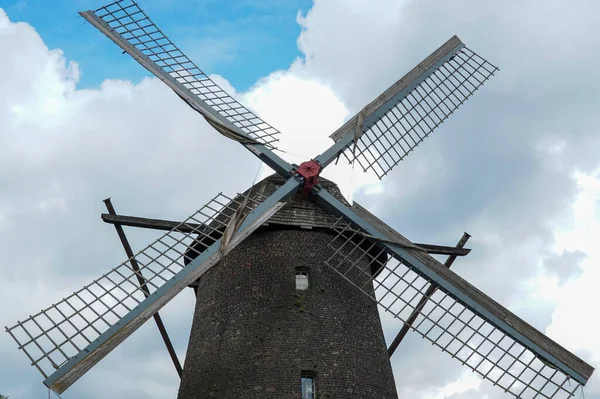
x=444, y=250
x=214, y=118
x=541, y=345
x=168, y=225
x=417, y=310
x=144, y=288
x=404, y=82
x=146, y=223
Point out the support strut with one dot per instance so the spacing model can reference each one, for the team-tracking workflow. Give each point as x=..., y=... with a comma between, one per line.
x=142, y=281
x=430, y=291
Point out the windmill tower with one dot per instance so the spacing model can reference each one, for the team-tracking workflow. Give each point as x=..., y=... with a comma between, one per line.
x=288, y=275
x=272, y=315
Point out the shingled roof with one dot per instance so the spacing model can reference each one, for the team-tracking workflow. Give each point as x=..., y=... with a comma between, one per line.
x=297, y=211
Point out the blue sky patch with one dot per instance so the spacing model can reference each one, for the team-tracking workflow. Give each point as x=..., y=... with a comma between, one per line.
x=241, y=40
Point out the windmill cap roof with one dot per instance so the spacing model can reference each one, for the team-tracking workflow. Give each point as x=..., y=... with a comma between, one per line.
x=298, y=211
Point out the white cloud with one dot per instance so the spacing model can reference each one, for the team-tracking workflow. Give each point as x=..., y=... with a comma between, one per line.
x=577, y=301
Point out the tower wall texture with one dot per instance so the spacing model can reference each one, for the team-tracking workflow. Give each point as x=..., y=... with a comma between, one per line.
x=253, y=333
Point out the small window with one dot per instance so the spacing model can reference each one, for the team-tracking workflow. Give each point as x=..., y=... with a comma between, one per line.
x=301, y=278
x=308, y=385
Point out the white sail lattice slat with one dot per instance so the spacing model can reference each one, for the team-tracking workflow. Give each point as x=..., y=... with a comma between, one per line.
x=54, y=335
x=444, y=320
x=405, y=124
x=126, y=19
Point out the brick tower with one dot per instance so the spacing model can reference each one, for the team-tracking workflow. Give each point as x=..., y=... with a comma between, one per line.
x=272, y=321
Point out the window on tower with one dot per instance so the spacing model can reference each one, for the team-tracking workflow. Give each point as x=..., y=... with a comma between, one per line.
x=302, y=278
x=308, y=385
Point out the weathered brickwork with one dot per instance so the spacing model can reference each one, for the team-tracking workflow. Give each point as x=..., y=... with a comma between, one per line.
x=253, y=333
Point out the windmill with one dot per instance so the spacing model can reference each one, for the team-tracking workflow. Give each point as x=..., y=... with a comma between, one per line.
x=254, y=332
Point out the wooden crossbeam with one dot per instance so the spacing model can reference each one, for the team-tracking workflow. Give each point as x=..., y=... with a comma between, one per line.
x=430, y=291
x=144, y=288
x=146, y=223
x=168, y=225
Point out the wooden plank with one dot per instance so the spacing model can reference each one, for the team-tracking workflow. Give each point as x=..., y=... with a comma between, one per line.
x=400, y=85
x=155, y=224
x=443, y=250
x=490, y=305
x=144, y=287
x=168, y=225
x=417, y=310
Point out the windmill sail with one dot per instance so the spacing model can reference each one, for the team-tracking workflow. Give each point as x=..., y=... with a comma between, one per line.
x=458, y=318
x=397, y=121
x=125, y=23
x=66, y=339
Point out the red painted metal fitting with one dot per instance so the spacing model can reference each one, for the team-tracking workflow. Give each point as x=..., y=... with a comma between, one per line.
x=310, y=171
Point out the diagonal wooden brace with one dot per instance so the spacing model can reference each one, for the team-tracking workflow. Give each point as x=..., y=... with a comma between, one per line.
x=430, y=291
x=144, y=288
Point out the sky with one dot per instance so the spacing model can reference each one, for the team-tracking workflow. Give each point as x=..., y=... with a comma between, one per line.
x=233, y=38
x=516, y=166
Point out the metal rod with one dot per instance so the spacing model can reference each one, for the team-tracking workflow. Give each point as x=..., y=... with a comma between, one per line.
x=168, y=225
x=144, y=287
x=430, y=291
